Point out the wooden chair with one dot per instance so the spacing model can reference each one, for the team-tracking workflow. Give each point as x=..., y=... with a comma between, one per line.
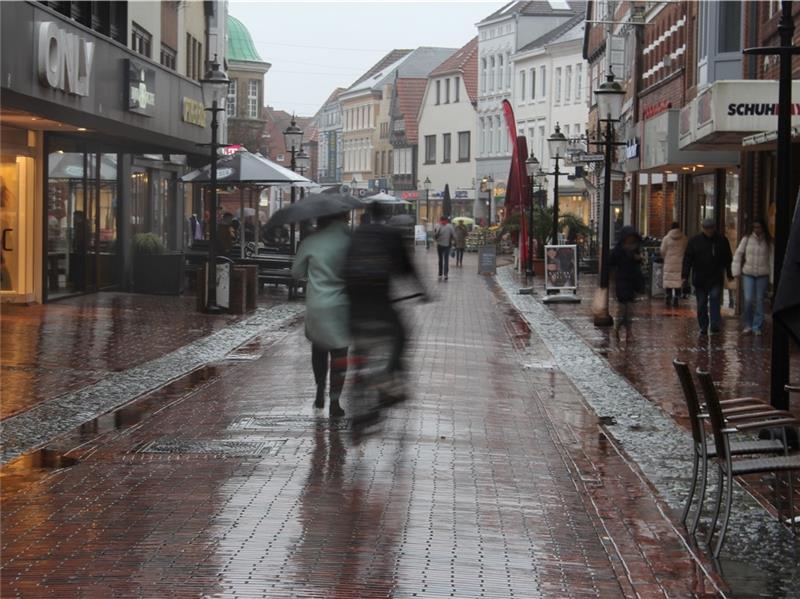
x=704, y=448
x=728, y=467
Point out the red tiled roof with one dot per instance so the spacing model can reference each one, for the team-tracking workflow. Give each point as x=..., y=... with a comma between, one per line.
x=409, y=99
x=464, y=61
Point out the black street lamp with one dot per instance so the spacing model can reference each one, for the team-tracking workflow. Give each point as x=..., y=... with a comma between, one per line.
x=532, y=167
x=293, y=140
x=779, y=360
x=557, y=145
x=609, y=108
x=487, y=183
x=215, y=89
x=426, y=184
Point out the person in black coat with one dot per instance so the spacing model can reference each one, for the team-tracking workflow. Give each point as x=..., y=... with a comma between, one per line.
x=708, y=259
x=626, y=263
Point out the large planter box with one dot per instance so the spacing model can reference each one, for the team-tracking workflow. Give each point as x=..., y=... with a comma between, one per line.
x=160, y=274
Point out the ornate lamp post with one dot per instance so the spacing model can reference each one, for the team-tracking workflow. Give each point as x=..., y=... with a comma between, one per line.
x=293, y=140
x=609, y=107
x=426, y=184
x=557, y=146
x=215, y=90
x=532, y=167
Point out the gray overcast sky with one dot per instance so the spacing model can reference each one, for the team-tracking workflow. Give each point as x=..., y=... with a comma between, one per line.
x=316, y=46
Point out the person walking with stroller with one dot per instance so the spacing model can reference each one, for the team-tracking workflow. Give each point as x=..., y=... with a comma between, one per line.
x=444, y=235
x=321, y=260
x=626, y=262
x=752, y=262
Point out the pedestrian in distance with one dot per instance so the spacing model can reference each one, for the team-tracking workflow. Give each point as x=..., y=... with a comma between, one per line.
x=460, y=240
x=673, y=246
x=626, y=264
x=444, y=235
x=708, y=260
x=321, y=260
x=752, y=262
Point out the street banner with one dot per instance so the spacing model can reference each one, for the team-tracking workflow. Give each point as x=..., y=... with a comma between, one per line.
x=561, y=267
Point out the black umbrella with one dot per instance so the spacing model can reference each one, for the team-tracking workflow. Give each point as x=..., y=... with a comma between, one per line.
x=786, y=309
x=447, y=203
x=313, y=206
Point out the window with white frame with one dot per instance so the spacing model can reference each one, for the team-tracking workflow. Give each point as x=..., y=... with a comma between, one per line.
x=498, y=132
x=500, y=72
x=533, y=84
x=483, y=75
x=447, y=91
x=543, y=81
x=557, y=95
x=252, y=98
x=567, y=84
x=438, y=91
x=492, y=68
x=508, y=69
x=464, y=146
x=522, y=86
x=457, y=90
x=430, y=149
x=490, y=142
x=481, y=136
x=446, y=146
x=578, y=81
x=230, y=104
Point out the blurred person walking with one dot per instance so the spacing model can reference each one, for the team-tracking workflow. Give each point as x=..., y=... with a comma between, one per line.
x=626, y=264
x=321, y=260
x=752, y=262
x=673, y=246
x=707, y=260
x=376, y=258
x=460, y=240
x=444, y=235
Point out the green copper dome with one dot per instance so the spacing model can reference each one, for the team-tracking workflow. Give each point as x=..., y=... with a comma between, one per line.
x=240, y=44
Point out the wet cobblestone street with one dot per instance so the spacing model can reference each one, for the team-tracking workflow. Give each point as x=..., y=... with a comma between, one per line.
x=494, y=480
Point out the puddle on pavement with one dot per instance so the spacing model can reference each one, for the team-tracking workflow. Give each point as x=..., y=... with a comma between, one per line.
x=36, y=464
x=250, y=350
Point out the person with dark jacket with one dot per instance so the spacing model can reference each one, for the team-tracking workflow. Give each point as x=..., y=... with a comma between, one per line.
x=377, y=256
x=626, y=263
x=708, y=259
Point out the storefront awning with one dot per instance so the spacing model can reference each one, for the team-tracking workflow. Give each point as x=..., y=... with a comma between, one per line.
x=728, y=111
x=661, y=150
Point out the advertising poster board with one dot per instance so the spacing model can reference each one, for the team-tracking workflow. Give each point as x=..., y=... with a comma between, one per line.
x=223, y=285
x=487, y=259
x=420, y=235
x=561, y=267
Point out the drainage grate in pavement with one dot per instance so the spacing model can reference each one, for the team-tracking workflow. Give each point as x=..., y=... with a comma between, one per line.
x=221, y=447
x=286, y=423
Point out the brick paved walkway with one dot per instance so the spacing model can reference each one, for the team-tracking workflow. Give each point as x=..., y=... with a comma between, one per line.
x=61, y=347
x=493, y=481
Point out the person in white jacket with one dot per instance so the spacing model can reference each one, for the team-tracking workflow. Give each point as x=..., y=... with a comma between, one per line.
x=752, y=262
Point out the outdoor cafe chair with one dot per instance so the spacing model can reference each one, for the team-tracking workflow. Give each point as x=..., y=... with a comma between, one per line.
x=728, y=467
x=703, y=448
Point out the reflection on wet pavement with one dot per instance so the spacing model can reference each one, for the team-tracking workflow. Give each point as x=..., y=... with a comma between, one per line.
x=495, y=480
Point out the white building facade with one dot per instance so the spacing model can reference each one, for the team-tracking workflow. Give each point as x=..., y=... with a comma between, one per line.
x=550, y=88
x=500, y=36
x=329, y=149
x=447, y=128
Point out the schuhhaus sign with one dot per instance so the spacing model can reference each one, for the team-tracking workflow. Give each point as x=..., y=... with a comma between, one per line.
x=64, y=59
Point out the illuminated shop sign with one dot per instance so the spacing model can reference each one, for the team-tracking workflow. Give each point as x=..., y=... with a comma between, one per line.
x=141, y=88
x=64, y=59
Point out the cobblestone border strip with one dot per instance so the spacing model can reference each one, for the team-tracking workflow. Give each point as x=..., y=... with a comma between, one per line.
x=42, y=423
x=656, y=443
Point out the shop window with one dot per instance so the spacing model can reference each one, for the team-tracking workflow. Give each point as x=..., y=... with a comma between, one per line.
x=169, y=57
x=141, y=41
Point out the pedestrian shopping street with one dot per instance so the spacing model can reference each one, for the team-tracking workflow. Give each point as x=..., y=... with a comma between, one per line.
x=495, y=479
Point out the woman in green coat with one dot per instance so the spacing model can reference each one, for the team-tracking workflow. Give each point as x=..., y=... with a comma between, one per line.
x=320, y=260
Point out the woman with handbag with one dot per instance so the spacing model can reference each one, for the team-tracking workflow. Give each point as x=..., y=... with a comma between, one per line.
x=752, y=262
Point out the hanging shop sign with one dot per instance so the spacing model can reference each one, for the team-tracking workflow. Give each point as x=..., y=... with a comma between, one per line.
x=64, y=59
x=141, y=88
x=632, y=149
x=193, y=112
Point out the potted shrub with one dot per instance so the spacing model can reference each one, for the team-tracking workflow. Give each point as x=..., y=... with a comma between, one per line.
x=154, y=269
